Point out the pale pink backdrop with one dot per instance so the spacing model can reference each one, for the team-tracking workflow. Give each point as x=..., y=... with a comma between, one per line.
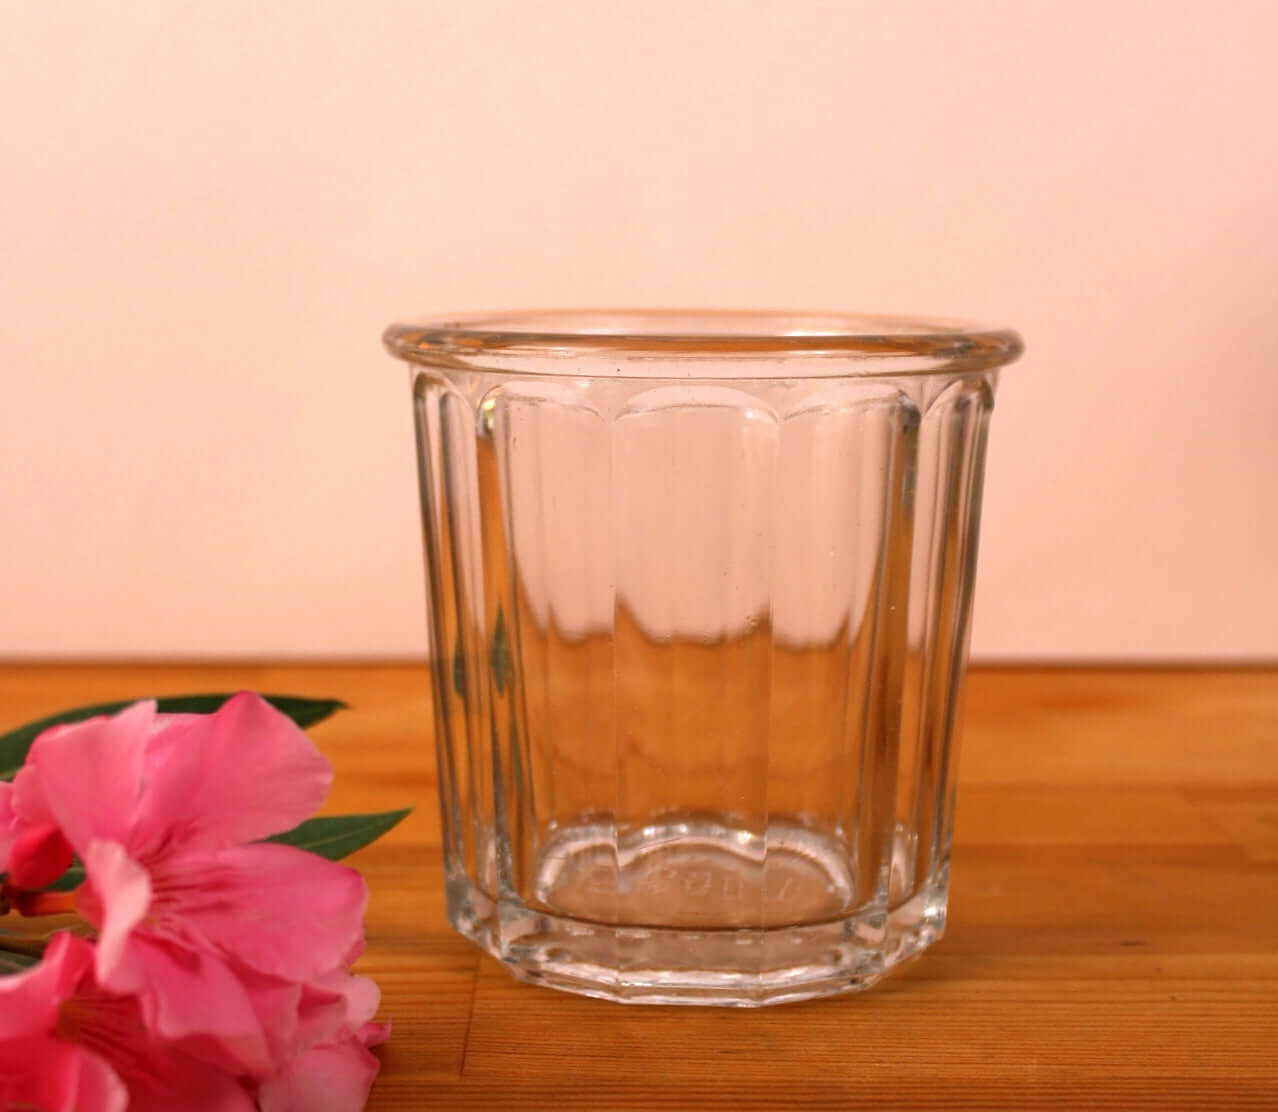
x=210, y=211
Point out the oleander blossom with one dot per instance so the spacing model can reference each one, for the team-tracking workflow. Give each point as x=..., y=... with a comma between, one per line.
x=234, y=953
x=38, y=1069
x=8, y=823
x=336, y=1074
x=67, y=1044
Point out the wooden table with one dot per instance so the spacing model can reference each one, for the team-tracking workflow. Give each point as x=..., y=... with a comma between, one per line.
x=1113, y=939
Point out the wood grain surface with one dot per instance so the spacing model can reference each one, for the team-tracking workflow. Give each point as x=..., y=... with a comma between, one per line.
x=1113, y=939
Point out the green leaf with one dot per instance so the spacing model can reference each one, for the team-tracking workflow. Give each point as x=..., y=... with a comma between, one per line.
x=15, y=963
x=72, y=878
x=14, y=744
x=340, y=835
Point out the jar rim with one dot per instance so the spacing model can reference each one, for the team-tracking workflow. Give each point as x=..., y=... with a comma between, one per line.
x=911, y=345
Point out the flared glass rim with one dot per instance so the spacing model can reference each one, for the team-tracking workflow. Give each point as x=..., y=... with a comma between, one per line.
x=914, y=345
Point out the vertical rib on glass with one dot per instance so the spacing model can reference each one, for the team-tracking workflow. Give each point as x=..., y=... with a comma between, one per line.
x=946, y=501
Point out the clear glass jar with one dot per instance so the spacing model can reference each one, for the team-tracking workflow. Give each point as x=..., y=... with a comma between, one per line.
x=700, y=587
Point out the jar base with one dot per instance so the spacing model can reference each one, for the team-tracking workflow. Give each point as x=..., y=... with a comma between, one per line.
x=674, y=959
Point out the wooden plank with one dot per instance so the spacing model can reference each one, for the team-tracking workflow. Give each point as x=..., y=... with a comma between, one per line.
x=910, y=1032
x=1118, y=727
x=1057, y=816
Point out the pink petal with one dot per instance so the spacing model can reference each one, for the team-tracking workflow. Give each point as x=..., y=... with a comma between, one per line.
x=57, y=1077
x=29, y=1000
x=88, y=775
x=8, y=820
x=321, y=1017
x=361, y=994
x=40, y=854
x=157, y=1073
x=334, y=1077
x=239, y=775
x=193, y=997
x=161, y=1078
x=374, y=1034
x=117, y=899
x=200, y=1089
x=221, y=1013
x=277, y=909
x=363, y=998
x=29, y=805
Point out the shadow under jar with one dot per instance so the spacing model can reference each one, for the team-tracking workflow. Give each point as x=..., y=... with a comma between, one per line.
x=700, y=588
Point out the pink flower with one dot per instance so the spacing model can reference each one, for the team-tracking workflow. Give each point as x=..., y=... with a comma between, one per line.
x=32, y=849
x=65, y=1044
x=8, y=823
x=51, y=1076
x=38, y=1070
x=335, y=1075
x=40, y=855
x=230, y=948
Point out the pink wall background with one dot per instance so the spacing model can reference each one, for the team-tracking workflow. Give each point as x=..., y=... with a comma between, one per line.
x=210, y=211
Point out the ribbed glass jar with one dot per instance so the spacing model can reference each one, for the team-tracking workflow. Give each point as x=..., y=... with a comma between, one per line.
x=700, y=588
